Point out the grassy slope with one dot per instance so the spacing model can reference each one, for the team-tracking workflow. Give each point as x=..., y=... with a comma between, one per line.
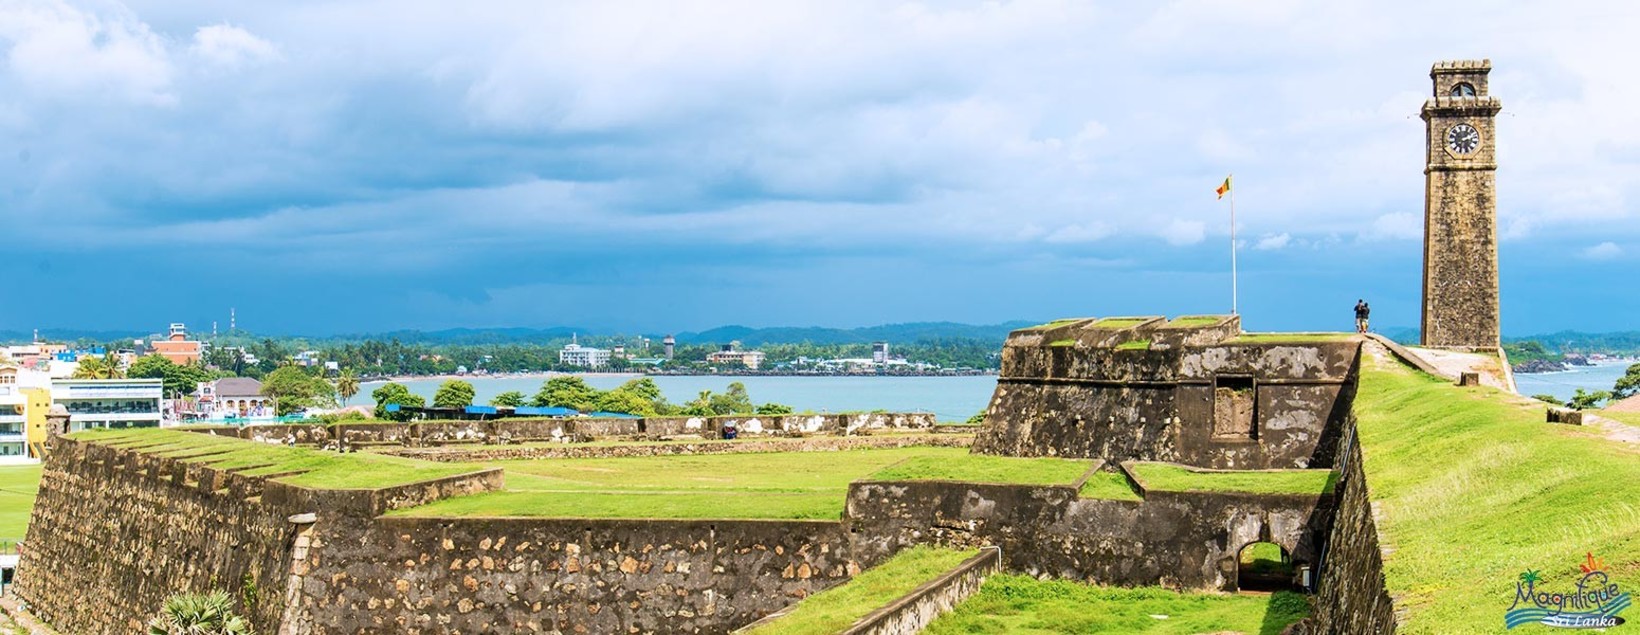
x=1021, y=605
x=1473, y=488
x=1171, y=478
x=1108, y=485
x=834, y=609
x=327, y=470
x=1631, y=418
x=18, y=486
x=795, y=485
x=983, y=468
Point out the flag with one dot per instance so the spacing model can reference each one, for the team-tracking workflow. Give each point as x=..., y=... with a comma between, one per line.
x=1223, y=188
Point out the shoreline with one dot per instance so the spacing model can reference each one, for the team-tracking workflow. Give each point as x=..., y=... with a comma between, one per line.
x=544, y=375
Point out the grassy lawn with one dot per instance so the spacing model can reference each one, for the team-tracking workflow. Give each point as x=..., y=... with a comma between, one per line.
x=325, y=470
x=1134, y=345
x=1022, y=605
x=834, y=609
x=1172, y=478
x=984, y=468
x=773, y=485
x=1108, y=485
x=1473, y=488
x=18, y=485
x=1119, y=322
x=1193, y=321
x=1631, y=418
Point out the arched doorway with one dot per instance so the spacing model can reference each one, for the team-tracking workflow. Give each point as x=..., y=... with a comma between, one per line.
x=1265, y=566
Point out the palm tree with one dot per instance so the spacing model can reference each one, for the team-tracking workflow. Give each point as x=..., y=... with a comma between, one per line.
x=191, y=614
x=105, y=367
x=347, y=385
x=1530, y=576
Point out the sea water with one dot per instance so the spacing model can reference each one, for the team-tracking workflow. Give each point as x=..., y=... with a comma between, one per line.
x=1564, y=383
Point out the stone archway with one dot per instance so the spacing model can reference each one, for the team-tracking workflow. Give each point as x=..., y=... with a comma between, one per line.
x=1265, y=567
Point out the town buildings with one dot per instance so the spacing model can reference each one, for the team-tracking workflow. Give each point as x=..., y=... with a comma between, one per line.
x=574, y=354
x=109, y=403
x=232, y=398
x=177, y=347
x=730, y=354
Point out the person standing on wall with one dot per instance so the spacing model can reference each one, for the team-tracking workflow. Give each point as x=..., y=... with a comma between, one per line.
x=1362, y=311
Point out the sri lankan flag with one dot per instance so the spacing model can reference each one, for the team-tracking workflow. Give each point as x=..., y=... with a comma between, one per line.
x=1223, y=188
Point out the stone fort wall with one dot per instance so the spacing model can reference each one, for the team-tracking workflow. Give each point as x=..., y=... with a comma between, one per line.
x=117, y=531
x=1181, y=540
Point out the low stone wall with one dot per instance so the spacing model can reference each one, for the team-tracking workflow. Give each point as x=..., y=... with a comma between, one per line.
x=529, y=575
x=522, y=430
x=1182, y=540
x=912, y=613
x=1352, y=597
x=673, y=448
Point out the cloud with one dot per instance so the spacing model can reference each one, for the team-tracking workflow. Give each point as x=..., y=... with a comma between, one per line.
x=1183, y=232
x=1604, y=251
x=1273, y=242
x=1396, y=226
x=230, y=46
x=1081, y=233
x=59, y=51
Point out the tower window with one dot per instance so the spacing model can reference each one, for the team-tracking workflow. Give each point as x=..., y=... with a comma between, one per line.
x=1463, y=89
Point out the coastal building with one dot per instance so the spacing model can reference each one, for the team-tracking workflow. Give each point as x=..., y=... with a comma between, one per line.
x=177, y=347
x=575, y=354
x=231, y=398
x=23, y=399
x=670, y=344
x=731, y=354
x=879, y=352
x=109, y=403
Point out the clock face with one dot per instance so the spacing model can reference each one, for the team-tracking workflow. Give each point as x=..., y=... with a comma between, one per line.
x=1462, y=139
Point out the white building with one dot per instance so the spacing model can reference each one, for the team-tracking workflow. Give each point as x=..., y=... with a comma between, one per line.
x=583, y=356
x=24, y=394
x=109, y=403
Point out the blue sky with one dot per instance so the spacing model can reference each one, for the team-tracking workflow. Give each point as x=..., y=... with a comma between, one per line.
x=359, y=166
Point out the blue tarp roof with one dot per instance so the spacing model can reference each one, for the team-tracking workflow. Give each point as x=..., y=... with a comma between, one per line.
x=616, y=415
x=544, y=411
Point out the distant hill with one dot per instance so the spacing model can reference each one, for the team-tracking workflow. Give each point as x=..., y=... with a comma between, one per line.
x=68, y=335
x=909, y=332
x=468, y=337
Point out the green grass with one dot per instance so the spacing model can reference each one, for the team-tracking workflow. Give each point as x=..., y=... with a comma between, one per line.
x=984, y=468
x=1472, y=488
x=1056, y=324
x=1058, y=343
x=1264, y=557
x=1120, y=322
x=1108, y=485
x=835, y=609
x=1134, y=345
x=18, y=486
x=1021, y=605
x=773, y=485
x=320, y=469
x=1172, y=478
x=1193, y=321
x=1631, y=418
x=1297, y=338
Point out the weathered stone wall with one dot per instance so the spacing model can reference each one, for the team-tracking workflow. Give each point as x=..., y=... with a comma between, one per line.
x=673, y=448
x=1352, y=597
x=1173, y=539
x=909, y=615
x=472, y=575
x=115, y=532
x=1162, y=404
x=495, y=431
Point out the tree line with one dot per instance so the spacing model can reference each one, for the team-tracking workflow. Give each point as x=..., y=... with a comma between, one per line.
x=640, y=397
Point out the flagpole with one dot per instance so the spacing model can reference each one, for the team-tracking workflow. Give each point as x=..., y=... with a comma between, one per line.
x=1233, y=291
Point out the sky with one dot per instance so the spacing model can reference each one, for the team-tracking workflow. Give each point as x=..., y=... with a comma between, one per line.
x=343, y=167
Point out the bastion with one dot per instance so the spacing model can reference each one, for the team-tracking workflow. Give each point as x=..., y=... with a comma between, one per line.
x=1194, y=390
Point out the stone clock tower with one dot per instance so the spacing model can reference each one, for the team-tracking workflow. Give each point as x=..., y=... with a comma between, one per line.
x=1460, y=209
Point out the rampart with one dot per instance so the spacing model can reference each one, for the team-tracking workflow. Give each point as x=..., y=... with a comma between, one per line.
x=1193, y=391
x=1353, y=597
x=1182, y=540
x=119, y=530
x=507, y=431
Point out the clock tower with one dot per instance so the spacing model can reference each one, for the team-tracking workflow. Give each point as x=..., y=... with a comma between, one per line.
x=1460, y=209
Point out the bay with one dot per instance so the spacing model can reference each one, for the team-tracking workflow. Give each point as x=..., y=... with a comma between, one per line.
x=1563, y=384
x=949, y=398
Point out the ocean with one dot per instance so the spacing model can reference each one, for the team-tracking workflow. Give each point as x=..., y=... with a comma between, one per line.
x=1562, y=384
x=949, y=398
